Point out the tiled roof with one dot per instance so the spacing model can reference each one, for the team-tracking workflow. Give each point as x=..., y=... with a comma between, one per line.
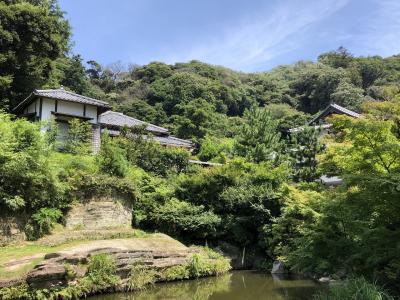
x=330, y=181
x=345, y=110
x=335, y=108
x=205, y=163
x=163, y=140
x=118, y=119
x=173, y=141
x=62, y=94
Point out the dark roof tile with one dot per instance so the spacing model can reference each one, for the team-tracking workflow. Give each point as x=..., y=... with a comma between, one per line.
x=62, y=94
x=118, y=119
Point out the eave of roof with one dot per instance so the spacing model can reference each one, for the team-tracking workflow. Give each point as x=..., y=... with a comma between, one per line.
x=61, y=94
x=333, y=107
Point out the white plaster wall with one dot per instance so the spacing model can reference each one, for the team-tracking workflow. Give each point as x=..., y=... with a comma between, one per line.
x=31, y=108
x=47, y=108
x=71, y=108
x=91, y=112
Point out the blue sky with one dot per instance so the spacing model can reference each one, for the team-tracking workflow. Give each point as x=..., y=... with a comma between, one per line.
x=246, y=35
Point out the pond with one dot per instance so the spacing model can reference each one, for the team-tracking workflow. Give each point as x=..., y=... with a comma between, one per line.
x=237, y=285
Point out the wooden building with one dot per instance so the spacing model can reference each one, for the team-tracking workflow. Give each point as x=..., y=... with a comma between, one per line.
x=62, y=106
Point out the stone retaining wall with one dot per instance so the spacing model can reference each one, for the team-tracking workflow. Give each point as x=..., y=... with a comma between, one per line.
x=100, y=213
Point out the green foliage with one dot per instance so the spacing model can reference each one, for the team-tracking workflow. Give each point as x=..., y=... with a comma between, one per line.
x=112, y=159
x=258, y=140
x=28, y=181
x=340, y=58
x=305, y=145
x=348, y=95
x=214, y=149
x=353, y=229
x=151, y=156
x=369, y=146
x=183, y=219
x=33, y=35
x=242, y=194
x=140, y=277
x=42, y=222
x=354, y=289
x=101, y=273
x=201, y=265
x=179, y=272
x=87, y=185
x=286, y=116
x=19, y=292
x=78, y=139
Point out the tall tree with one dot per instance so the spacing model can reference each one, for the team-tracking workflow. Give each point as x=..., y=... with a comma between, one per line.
x=258, y=139
x=33, y=34
x=306, y=145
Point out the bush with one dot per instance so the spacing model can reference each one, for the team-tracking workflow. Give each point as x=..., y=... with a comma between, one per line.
x=179, y=272
x=42, y=222
x=140, y=277
x=28, y=182
x=215, y=149
x=101, y=274
x=151, y=156
x=207, y=263
x=354, y=289
x=112, y=158
x=183, y=219
x=79, y=136
x=89, y=185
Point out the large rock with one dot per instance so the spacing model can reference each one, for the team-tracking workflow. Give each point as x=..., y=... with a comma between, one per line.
x=49, y=274
x=278, y=267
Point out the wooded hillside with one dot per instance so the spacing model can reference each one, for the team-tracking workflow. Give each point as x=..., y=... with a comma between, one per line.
x=265, y=200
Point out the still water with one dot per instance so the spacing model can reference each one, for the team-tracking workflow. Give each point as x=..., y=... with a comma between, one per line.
x=233, y=286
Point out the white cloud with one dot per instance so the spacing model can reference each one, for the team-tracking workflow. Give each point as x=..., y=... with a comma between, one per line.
x=261, y=37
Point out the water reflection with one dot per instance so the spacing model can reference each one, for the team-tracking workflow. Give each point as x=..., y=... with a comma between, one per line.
x=234, y=286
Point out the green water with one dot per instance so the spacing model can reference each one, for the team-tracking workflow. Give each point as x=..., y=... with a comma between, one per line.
x=234, y=286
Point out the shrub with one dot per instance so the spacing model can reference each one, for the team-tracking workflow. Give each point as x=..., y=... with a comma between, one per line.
x=181, y=218
x=140, y=277
x=354, y=289
x=151, y=156
x=42, y=222
x=101, y=274
x=179, y=272
x=78, y=137
x=27, y=180
x=207, y=263
x=87, y=185
x=112, y=158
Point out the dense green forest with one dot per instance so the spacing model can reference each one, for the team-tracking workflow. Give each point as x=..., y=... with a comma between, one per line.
x=264, y=199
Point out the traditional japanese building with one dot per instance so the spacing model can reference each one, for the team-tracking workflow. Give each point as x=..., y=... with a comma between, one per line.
x=62, y=106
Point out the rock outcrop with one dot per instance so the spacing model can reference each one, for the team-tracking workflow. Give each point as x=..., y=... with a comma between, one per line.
x=278, y=268
x=100, y=213
x=158, y=252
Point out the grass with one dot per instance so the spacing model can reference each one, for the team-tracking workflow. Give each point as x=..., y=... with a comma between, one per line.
x=354, y=289
x=15, y=252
